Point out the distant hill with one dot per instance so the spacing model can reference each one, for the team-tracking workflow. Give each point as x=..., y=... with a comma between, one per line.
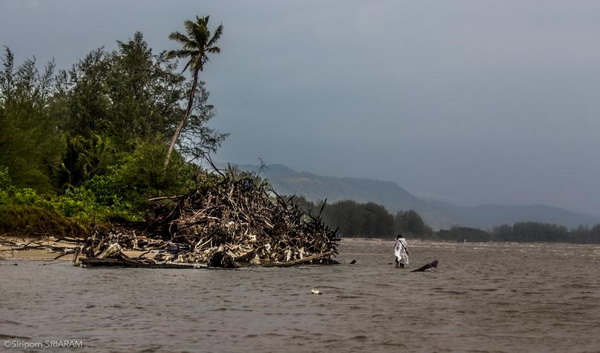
x=438, y=215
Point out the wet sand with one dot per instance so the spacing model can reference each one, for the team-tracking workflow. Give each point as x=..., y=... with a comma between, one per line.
x=11, y=252
x=483, y=298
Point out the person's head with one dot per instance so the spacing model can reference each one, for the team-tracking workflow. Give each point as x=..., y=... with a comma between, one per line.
x=399, y=236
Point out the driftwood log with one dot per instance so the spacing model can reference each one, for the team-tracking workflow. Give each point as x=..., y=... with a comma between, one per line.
x=229, y=221
x=86, y=262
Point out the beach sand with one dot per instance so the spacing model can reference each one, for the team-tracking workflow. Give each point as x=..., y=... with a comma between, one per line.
x=11, y=249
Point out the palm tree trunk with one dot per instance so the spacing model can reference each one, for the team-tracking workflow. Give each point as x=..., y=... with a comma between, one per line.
x=183, y=119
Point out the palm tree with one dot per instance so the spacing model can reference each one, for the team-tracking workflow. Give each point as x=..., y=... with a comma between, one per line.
x=197, y=44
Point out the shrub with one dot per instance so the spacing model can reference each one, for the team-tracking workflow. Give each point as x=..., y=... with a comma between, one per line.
x=27, y=220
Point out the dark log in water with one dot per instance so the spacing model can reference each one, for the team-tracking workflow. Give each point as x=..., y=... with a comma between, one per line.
x=432, y=264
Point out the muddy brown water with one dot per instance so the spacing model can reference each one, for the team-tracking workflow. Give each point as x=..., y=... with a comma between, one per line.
x=483, y=298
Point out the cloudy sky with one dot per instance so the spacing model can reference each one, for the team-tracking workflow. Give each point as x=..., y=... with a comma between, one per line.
x=469, y=102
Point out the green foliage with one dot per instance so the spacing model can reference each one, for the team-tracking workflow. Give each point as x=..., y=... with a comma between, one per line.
x=79, y=208
x=143, y=171
x=89, y=143
x=24, y=212
x=346, y=216
x=376, y=220
x=531, y=231
x=36, y=221
x=410, y=222
x=353, y=219
x=85, y=158
x=197, y=43
x=30, y=144
x=5, y=181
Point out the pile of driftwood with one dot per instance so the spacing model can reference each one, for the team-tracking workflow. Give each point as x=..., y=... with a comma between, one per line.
x=229, y=221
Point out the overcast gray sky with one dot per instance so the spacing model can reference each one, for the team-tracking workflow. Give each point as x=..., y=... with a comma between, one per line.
x=464, y=101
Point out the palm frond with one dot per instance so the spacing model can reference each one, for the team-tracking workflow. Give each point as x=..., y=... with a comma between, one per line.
x=188, y=64
x=200, y=35
x=215, y=37
x=181, y=53
x=197, y=43
x=179, y=37
x=189, y=26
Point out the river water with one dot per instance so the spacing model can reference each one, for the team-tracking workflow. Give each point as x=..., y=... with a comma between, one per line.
x=483, y=298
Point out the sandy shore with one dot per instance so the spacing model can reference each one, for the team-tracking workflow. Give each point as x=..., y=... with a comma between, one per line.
x=12, y=248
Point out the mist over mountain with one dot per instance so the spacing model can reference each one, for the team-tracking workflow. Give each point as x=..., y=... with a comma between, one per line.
x=438, y=215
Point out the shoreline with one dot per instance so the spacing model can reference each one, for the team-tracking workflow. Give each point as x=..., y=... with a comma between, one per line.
x=45, y=249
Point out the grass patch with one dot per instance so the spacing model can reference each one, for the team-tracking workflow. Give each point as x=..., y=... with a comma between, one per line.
x=32, y=221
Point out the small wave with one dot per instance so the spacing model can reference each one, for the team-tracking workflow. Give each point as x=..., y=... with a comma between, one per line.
x=8, y=337
x=578, y=286
x=359, y=338
x=484, y=289
x=455, y=292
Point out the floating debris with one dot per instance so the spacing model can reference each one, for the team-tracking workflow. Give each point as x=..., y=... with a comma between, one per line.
x=432, y=264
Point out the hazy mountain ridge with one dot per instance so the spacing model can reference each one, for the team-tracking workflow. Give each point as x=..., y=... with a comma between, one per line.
x=436, y=214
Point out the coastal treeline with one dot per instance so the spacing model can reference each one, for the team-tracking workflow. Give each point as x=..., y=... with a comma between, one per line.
x=354, y=219
x=369, y=220
x=525, y=232
x=93, y=142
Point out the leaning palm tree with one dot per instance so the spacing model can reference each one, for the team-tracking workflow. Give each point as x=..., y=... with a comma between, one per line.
x=197, y=44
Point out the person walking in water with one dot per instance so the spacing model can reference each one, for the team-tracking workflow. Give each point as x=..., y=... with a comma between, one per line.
x=401, y=251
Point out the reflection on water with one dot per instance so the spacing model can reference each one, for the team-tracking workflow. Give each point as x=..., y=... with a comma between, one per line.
x=483, y=298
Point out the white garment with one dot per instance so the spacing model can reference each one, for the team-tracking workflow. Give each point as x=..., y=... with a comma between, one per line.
x=400, y=251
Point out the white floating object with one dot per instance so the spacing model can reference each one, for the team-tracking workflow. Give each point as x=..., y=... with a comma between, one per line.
x=314, y=291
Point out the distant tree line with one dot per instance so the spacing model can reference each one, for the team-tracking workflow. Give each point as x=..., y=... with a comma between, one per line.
x=544, y=232
x=525, y=232
x=369, y=220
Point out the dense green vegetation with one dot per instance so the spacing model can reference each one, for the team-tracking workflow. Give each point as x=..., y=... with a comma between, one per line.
x=88, y=145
